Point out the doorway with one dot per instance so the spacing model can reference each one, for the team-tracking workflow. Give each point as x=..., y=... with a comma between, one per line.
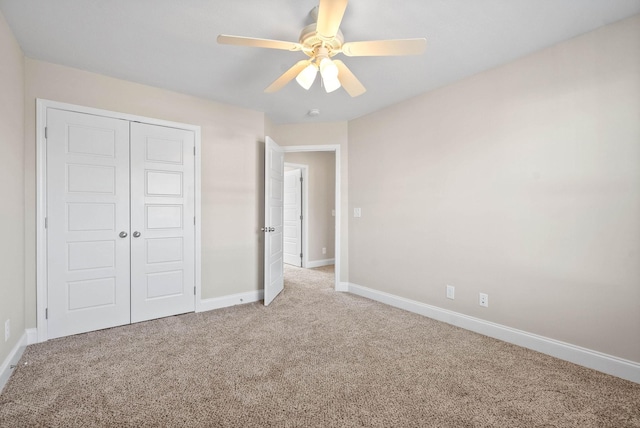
x=273, y=214
x=313, y=256
x=318, y=206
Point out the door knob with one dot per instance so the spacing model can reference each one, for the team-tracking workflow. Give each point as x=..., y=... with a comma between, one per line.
x=123, y=234
x=136, y=234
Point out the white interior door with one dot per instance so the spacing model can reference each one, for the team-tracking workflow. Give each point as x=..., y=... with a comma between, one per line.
x=162, y=221
x=273, y=216
x=87, y=222
x=292, y=234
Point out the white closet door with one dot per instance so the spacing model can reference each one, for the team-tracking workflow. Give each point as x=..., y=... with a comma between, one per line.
x=88, y=222
x=162, y=222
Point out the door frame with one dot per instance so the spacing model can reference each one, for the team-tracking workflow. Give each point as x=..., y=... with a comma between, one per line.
x=41, y=197
x=337, y=251
x=304, y=172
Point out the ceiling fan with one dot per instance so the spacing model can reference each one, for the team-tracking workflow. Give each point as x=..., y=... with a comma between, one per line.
x=323, y=40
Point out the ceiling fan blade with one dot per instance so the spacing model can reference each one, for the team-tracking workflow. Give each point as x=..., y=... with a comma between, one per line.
x=258, y=43
x=288, y=76
x=385, y=47
x=330, y=13
x=348, y=80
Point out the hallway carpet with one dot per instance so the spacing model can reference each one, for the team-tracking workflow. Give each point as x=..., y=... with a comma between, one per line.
x=313, y=358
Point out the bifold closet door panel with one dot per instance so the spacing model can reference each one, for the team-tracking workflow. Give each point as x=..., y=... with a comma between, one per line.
x=88, y=222
x=162, y=221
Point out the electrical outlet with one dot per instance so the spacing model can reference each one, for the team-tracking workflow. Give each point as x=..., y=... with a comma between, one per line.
x=324, y=250
x=484, y=300
x=357, y=212
x=451, y=292
x=7, y=330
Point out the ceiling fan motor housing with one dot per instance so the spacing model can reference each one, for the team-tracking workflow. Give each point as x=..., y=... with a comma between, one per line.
x=311, y=41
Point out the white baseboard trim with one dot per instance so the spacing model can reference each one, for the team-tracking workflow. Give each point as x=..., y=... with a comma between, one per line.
x=231, y=300
x=343, y=286
x=12, y=359
x=319, y=263
x=32, y=336
x=605, y=363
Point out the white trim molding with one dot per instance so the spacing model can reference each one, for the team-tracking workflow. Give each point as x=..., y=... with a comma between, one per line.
x=32, y=336
x=12, y=359
x=230, y=300
x=343, y=287
x=605, y=363
x=319, y=263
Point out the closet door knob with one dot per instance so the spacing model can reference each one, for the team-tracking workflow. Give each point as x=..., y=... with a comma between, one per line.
x=123, y=234
x=136, y=234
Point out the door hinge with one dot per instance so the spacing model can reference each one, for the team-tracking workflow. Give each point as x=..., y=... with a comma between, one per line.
x=300, y=217
x=46, y=222
x=300, y=255
x=194, y=220
x=300, y=179
x=194, y=150
x=46, y=313
x=45, y=133
x=194, y=290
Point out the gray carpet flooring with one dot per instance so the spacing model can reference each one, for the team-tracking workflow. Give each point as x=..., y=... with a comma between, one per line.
x=314, y=358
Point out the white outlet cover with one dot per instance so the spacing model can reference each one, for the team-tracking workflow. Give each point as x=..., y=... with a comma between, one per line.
x=484, y=300
x=451, y=292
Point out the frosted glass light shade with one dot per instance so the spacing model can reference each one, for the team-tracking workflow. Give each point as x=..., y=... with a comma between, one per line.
x=329, y=73
x=307, y=76
x=331, y=83
x=328, y=68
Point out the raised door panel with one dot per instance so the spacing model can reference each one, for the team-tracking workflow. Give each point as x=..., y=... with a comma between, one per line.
x=273, y=242
x=87, y=208
x=162, y=195
x=292, y=222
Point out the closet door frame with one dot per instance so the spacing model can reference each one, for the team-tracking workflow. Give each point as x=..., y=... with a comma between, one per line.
x=42, y=105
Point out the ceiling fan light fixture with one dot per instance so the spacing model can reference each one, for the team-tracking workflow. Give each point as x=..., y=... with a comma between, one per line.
x=320, y=41
x=307, y=76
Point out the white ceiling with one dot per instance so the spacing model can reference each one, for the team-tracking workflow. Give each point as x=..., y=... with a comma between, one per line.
x=172, y=44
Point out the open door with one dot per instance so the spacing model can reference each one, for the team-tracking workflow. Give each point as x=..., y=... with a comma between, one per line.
x=273, y=220
x=293, y=217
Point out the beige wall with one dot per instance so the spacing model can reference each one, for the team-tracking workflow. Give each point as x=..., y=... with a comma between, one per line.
x=11, y=188
x=522, y=182
x=321, y=184
x=312, y=133
x=232, y=143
